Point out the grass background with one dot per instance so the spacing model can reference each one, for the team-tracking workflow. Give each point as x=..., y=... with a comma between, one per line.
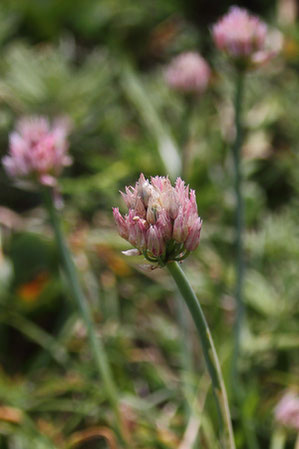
x=101, y=63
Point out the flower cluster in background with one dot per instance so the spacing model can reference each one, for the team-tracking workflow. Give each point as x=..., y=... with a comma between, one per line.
x=188, y=72
x=162, y=222
x=242, y=36
x=287, y=411
x=38, y=150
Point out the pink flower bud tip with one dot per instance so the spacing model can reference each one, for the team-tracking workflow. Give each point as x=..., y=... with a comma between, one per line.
x=242, y=36
x=162, y=221
x=38, y=150
x=287, y=411
x=188, y=72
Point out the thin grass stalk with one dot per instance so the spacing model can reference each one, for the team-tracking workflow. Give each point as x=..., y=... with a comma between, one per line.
x=240, y=266
x=209, y=351
x=278, y=439
x=184, y=140
x=96, y=345
x=36, y=334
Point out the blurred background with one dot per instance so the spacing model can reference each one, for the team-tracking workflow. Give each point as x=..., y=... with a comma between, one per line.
x=101, y=63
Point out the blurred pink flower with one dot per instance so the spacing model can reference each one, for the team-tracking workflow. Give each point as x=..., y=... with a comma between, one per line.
x=162, y=221
x=38, y=150
x=242, y=36
x=188, y=72
x=287, y=411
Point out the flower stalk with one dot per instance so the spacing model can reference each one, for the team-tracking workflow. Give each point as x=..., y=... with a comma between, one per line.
x=240, y=266
x=208, y=348
x=96, y=344
x=163, y=225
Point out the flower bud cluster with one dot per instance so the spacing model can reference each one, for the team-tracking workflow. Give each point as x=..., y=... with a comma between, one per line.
x=162, y=221
x=188, y=72
x=287, y=411
x=242, y=36
x=38, y=151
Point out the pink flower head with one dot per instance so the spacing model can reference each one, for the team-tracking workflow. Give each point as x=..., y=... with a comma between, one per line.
x=38, y=150
x=242, y=36
x=162, y=221
x=188, y=72
x=287, y=411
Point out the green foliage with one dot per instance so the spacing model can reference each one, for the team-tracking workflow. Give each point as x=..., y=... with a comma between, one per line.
x=101, y=63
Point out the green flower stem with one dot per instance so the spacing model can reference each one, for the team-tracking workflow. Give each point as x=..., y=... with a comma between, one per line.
x=208, y=348
x=184, y=140
x=239, y=224
x=185, y=353
x=96, y=344
x=240, y=395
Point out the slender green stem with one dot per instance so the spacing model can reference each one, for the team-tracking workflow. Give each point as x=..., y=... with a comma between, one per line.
x=251, y=439
x=278, y=439
x=96, y=344
x=239, y=224
x=185, y=353
x=208, y=348
x=36, y=334
x=184, y=139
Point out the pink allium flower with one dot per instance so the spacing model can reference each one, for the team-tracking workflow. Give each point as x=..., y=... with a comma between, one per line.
x=242, y=36
x=287, y=411
x=38, y=150
x=162, y=221
x=188, y=72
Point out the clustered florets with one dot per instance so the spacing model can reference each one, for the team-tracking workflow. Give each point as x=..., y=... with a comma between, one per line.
x=188, y=72
x=38, y=150
x=287, y=411
x=242, y=36
x=162, y=222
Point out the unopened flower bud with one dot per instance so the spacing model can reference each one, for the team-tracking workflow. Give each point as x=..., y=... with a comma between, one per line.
x=180, y=228
x=153, y=209
x=192, y=240
x=120, y=223
x=144, y=189
x=137, y=233
x=131, y=252
x=155, y=242
x=129, y=197
x=140, y=208
x=164, y=223
x=169, y=201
